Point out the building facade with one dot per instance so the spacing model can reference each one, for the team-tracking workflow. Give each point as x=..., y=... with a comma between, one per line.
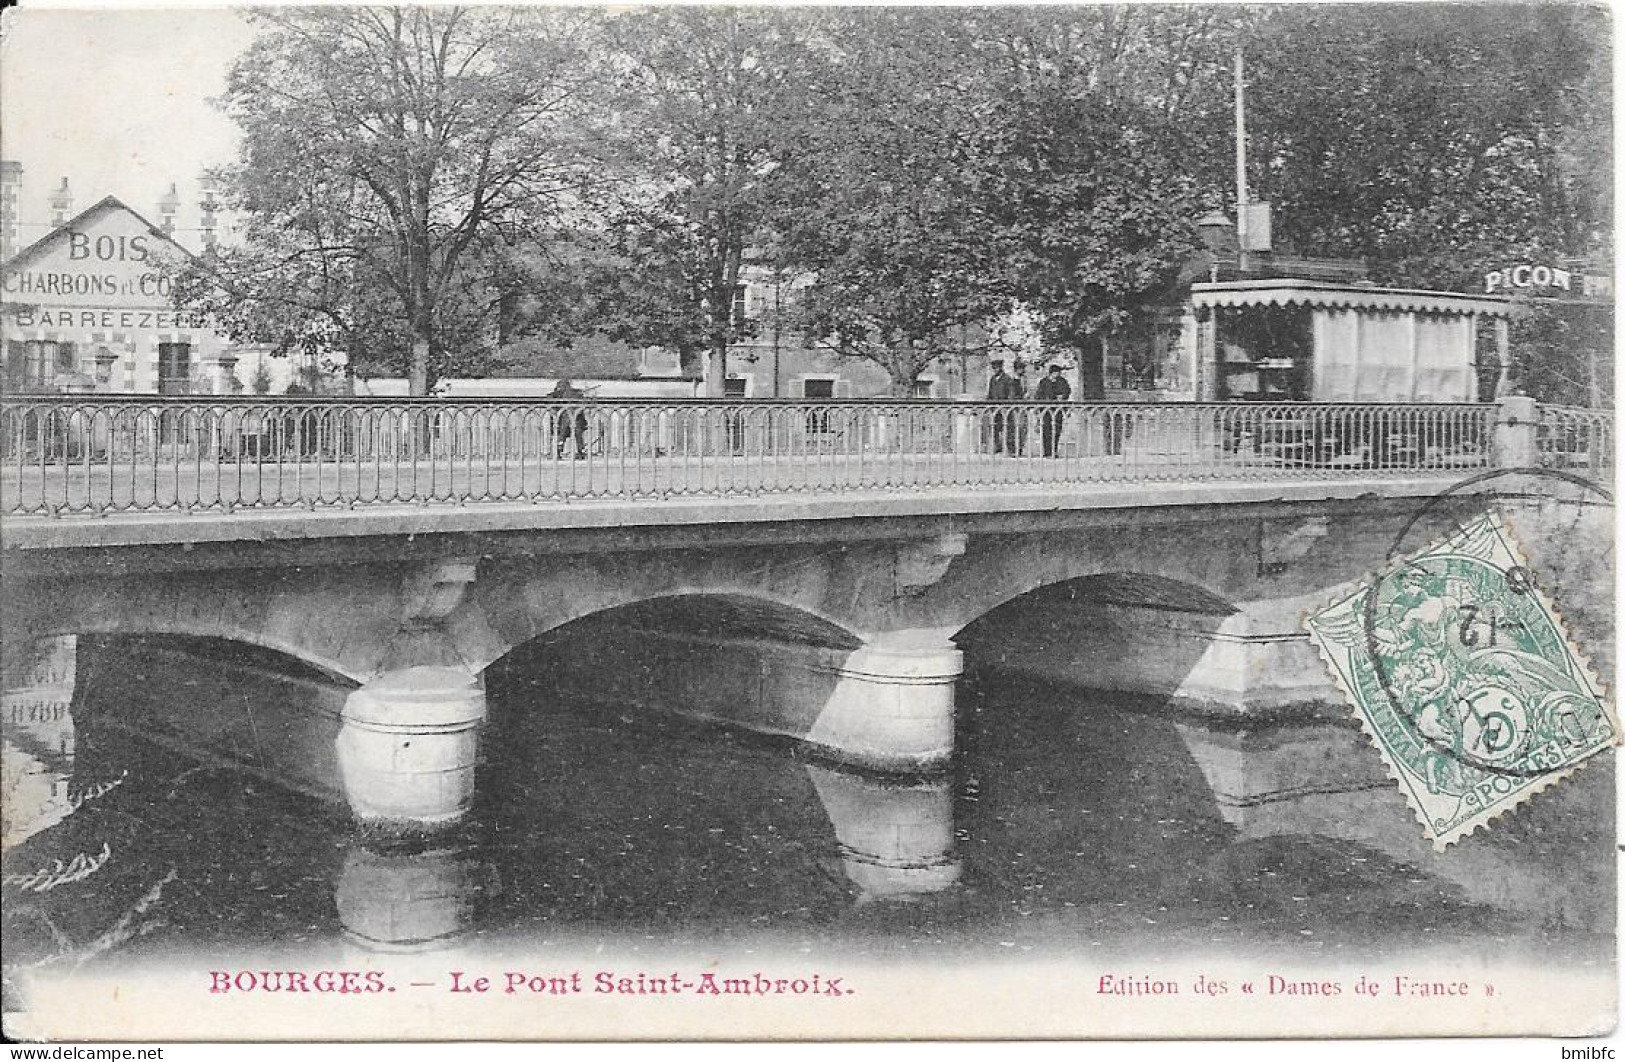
x=776, y=363
x=88, y=308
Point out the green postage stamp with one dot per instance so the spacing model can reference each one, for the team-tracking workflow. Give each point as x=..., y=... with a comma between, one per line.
x=1464, y=678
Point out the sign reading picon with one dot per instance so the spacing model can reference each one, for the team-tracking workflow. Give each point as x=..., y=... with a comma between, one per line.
x=1546, y=280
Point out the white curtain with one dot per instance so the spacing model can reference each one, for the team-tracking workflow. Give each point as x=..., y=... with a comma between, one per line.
x=1335, y=361
x=1444, y=354
x=1385, y=357
x=1391, y=356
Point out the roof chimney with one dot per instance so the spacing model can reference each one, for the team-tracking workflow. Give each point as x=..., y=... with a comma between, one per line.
x=208, y=205
x=167, y=207
x=61, y=204
x=11, y=190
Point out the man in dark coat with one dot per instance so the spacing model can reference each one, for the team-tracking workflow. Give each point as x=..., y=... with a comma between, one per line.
x=1052, y=388
x=1002, y=387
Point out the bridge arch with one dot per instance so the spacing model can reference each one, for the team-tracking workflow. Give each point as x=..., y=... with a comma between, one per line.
x=520, y=602
x=132, y=625
x=1123, y=588
x=716, y=613
x=315, y=657
x=1142, y=634
x=345, y=621
x=690, y=624
x=746, y=661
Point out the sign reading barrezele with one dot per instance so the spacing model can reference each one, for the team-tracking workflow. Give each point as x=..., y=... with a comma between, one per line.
x=116, y=320
x=1461, y=674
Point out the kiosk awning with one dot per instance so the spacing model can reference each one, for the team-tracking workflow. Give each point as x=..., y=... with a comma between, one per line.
x=1242, y=293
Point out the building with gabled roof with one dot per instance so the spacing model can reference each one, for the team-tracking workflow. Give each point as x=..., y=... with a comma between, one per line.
x=87, y=307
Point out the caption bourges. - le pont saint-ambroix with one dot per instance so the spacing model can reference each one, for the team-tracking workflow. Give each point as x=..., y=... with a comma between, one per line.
x=517, y=982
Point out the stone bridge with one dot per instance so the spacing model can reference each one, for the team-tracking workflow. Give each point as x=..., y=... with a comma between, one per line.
x=839, y=618
x=844, y=633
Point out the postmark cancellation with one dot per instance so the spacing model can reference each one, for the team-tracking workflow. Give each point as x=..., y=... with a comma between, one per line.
x=1464, y=677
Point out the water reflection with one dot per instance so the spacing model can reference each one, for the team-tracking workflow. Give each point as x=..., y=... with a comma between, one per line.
x=896, y=837
x=1325, y=782
x=1069, y=821
x=402, y=895
x=39, y=739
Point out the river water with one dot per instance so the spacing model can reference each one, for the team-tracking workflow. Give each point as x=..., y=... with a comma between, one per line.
x=1070, y=821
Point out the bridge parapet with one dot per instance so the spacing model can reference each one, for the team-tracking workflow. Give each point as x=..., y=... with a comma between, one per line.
x=97, y=455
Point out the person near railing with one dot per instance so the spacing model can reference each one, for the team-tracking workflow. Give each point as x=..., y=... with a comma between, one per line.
x=1003, y=387
x=566, y=424
x=1116, y=425
x=1053, y=388
x=299, y=424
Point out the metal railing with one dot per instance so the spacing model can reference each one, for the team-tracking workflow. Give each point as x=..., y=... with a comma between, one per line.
x=97, y=455
x=1575, y=438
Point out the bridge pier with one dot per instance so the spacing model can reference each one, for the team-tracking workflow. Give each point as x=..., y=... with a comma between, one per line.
x=1259, y=660
x=891, y=705
x=408, y=745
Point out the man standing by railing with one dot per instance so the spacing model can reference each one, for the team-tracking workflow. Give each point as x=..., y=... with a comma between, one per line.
x=1052, y=388
x=1003, y=387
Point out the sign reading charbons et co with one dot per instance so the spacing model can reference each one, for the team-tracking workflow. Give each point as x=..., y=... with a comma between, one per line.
x=77, y=272
x=65, y=282
x=103, y=284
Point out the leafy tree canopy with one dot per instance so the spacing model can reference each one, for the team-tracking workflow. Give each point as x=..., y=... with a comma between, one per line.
x=691, y=155
x=879, y=206
x=421, y=186
x=390, y=158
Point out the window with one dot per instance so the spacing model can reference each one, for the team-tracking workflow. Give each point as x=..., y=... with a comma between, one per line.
x=735, y=387
x=16, y=366
x=174, y=368
x=64, y=357
x=818, y=390
x=741, y=307
x=923, y=388
x=32, y=365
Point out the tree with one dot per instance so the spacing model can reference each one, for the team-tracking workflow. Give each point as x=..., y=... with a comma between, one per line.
x=687, y=196
x=1095, y=157
x=1440, y=142
x=391, y=158
x=878, y=203
x=1433, y=141
x=260, y=382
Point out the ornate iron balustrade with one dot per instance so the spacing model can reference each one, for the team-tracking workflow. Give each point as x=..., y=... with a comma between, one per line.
x=99, y=455
x=1572, y=437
